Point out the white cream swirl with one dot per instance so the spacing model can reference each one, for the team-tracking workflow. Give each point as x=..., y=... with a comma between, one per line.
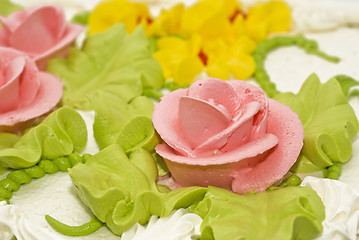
x=14, y=224
x=341, y=208
x=324, y=15
x=180, y=225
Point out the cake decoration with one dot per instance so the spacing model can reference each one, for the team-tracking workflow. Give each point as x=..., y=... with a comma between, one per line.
x=45, y=29
x=276, y=214
x=108, y=13
x=26, y=92
x=266, y=46
x=127, y=124
x=61, y=133
x=111, y=61
x=129, y=194
x=341, y=214
x=178, y=225
x=329, y=124
x=13, y=223
x=211, y=35
x=226, y=134
x=212, y=204
x=121, y=190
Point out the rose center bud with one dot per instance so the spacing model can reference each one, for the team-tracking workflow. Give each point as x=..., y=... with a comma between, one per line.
x=200, y=120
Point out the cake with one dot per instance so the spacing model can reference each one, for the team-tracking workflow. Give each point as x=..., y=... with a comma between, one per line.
x=57, y=196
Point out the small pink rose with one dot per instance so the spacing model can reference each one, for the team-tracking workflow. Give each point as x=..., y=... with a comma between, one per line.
x=227, y=134
x=25, y=93
x=41, y=32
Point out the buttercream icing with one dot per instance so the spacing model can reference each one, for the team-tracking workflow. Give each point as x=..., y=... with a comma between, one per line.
x=26, y=92
x=292, y=81
x=341, y=208
x=41, y=32
x=226, y=134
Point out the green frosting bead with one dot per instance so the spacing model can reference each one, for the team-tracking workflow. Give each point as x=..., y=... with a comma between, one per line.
x=63, y=163
x=35, y=171
x=266, y=46
x=20, y=177
x=74, y=159
x=48, y=166
x=9, y=184
x=5, y=194
x=85, y=157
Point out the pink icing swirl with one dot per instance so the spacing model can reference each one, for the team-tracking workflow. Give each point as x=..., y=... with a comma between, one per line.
x=41, y=32
x=227, y=134
x=25, y=92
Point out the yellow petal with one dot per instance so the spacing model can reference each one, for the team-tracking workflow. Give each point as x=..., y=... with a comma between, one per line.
x=110, y=12
x=173, y=43
x=243, y=44
x=266, y=18
x=216, y=26
x=242, y=66
x=280, y=16
x=187, y=69
x=168, y=22
x=220, y=71
x=169, y=61
x=238, y=25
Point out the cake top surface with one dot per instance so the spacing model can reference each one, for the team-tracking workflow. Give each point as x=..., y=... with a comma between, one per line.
x=288, y=67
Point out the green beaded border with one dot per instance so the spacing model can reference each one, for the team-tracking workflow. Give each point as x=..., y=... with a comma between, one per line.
x=12, y=182
x=266, y=46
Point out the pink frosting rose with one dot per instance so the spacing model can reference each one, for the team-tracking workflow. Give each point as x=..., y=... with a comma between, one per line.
x=41, y=32
x=25, y=92
x=227, y=134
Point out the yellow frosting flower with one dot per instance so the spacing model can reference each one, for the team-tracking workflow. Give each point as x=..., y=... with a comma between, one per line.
x=179, y=58
x=266, y=18
x=212, y=34
x=108, y=13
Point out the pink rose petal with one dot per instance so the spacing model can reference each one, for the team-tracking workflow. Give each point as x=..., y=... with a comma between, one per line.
x=235, y=134
x=29, y=83
x=41, y=30
x=218, y=170
x=200, y=120
x=165, y=120
x=250, y=93
x=49, y=95
x=286, y=125
x=29, y=92
x=61, y=48
x=9, y=90
x=217, y=92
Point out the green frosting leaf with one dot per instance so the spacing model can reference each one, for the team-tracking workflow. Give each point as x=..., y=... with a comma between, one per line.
x=329, y=123
x=129, y=124
x=8, y=140
x=61, y=133
x=7, y=7
x=286, y=213
x=347, y=83
x=121, y=191
x=111, y=61
x=81, y=17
